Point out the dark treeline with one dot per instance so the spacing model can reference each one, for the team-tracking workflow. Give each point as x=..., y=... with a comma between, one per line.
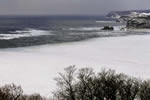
x=85, y=84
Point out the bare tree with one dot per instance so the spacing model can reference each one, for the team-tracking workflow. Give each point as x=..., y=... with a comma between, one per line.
x=85, y=84
x=11, y=92
x=108, y=81
x=128, y=88
x=66, y=84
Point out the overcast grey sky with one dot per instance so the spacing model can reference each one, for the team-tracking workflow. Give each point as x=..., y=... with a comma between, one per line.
x=83, y=7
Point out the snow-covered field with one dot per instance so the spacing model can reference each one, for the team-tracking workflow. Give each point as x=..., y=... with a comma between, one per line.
x=34, y=68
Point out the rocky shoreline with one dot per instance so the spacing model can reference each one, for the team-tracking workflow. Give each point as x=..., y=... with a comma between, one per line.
x=133, y=19
x=138, y=23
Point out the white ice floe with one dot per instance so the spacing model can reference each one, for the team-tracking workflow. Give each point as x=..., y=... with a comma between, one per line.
x=34, y=68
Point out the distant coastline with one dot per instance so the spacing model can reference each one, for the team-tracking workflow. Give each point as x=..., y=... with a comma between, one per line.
x=114, y=14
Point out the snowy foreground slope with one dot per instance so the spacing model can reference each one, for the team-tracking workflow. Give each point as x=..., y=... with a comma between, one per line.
x=34, y=68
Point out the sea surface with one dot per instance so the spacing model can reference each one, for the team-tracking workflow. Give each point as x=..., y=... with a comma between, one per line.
x=20, y=31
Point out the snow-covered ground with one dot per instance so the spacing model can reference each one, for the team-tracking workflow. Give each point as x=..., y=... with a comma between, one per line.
x=34, y=68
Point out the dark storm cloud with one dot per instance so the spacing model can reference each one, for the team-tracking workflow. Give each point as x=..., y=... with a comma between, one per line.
x=69, y=6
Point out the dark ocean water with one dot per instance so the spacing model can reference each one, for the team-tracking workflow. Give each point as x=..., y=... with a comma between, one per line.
x=20, y=31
